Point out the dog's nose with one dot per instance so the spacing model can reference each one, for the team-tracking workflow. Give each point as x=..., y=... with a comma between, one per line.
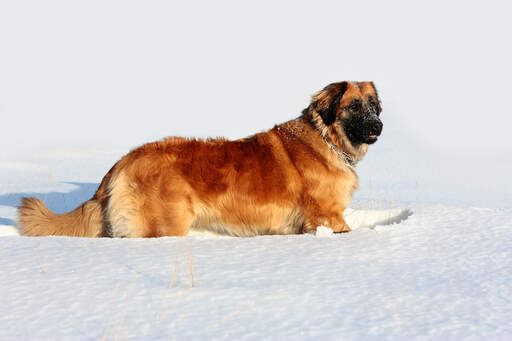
x=376, y=127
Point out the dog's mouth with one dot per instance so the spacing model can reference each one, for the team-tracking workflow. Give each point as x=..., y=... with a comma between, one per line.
x=371, y=138
x=373, y=131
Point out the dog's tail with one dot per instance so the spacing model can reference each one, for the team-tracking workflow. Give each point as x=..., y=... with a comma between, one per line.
x=35, y=219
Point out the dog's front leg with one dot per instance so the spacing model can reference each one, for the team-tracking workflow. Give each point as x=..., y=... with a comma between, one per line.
x=335, y=221
x=339, y=225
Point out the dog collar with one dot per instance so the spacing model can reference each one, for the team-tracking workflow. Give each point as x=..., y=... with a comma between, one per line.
x=345, y=157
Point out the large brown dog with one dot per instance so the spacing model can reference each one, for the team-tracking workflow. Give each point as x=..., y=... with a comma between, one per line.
x=291, y=179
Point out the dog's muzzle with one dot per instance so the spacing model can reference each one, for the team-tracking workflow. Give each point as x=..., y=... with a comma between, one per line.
x=374, y=126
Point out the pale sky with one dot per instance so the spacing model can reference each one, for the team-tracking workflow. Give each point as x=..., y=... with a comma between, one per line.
x=125, y=72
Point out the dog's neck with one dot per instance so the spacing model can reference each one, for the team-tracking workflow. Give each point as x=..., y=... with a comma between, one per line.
x=345, y=157
x=335, y=137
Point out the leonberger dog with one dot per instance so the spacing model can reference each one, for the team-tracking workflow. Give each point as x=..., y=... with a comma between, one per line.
x=288, y=180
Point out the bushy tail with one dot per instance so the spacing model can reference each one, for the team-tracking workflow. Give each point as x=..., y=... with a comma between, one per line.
x=35, y=219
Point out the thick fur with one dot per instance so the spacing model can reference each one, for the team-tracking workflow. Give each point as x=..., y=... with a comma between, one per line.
x=36, y=220
x=288, y=180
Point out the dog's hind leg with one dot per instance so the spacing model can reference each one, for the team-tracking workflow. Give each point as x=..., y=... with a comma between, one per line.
x=173, y=216
x=177, y=222
x=122, y=211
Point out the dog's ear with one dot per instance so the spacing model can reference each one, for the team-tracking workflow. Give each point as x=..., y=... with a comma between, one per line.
x=326, y=102
x=379, y=104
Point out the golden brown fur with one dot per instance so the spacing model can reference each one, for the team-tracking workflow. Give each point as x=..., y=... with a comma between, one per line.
x=282, y=181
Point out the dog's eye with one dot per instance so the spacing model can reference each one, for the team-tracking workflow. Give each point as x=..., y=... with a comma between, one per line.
x=355, y=107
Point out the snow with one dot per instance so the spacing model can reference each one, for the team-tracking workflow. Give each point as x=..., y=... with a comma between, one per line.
x=419, y=279
x=323, y=232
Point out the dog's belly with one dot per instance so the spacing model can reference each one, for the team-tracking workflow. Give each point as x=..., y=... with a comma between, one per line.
x=248, y=220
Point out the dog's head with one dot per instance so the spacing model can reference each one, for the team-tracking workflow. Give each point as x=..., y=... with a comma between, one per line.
x=353, y=106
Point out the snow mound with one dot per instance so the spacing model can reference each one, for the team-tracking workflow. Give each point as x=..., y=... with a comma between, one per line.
x=372, y=218
x=323, y=232
x=7, y=230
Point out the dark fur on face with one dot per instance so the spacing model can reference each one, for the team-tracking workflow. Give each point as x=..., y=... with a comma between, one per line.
x=363, y=124
x=354, y=106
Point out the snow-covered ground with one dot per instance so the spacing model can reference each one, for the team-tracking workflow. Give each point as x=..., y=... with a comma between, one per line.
x=442, y=273
x=430, y=256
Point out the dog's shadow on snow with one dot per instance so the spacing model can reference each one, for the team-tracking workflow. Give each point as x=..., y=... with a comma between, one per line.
x=58, y=202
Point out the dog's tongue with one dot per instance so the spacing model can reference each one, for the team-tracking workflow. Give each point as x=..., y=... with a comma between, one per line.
x=373, y=136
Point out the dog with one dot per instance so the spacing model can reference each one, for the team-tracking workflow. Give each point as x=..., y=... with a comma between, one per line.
x=288, y=180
